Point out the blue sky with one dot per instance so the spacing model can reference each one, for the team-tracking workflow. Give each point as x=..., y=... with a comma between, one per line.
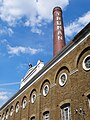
x=26, y=35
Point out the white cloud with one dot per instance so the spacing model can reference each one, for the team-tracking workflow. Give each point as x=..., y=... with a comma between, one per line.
x=36, y=30
x=17, y=50
x=4, y=42
x=77, y=25
x=3, y=96
x=35, y=12
x=6, y=30
x=22, y=50
x=10, y=31
x=22, y=66
x=0, y=2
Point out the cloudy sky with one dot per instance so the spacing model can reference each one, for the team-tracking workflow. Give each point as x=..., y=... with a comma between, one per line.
x=26, y=35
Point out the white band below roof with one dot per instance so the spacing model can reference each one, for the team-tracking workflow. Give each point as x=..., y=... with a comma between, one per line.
x=51, y=66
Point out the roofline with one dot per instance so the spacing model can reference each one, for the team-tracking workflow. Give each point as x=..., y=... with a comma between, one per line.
x=84, y=32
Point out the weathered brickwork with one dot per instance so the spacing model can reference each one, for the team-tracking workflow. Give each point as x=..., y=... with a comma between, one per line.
x=75, y=91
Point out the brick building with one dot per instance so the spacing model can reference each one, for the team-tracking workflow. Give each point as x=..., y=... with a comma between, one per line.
x=59, y=90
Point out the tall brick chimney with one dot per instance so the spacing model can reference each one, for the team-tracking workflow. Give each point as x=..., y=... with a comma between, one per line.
x=58, y=32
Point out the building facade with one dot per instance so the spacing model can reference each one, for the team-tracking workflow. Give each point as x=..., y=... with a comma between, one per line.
x=61, y=89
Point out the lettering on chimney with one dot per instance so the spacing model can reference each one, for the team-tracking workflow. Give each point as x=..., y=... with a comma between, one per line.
x=59, y=27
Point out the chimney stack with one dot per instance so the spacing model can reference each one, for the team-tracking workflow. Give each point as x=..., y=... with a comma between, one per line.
x=58, y=33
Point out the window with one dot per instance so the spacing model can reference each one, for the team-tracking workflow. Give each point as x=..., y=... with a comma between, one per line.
x=17, y=108
x=33, y=118
x=24, y=103
x=46, y=115
x=11, y=111
x=65, y=113
x=88, y=100
x=45, y=90
x=86, y=63
x=33, y=98
x=7, y=114
x=3, y=116
x=62, y=79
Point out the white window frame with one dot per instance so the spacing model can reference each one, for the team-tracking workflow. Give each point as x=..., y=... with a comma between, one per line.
x=11, y=111
x=32, y=118
x=32, y=98
x=7, y=115
x=88, y=100
x=63, y=113
x=83, y=63
x=46, y=115
x=24, y=103
x=3, y=116
x=17, y=108
x=44, y=92
x=60, y=80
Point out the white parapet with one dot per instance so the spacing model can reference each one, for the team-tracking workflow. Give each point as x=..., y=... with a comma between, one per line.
x=32, y=71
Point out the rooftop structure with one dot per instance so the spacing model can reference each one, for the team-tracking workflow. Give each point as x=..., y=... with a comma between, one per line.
x=32, y=71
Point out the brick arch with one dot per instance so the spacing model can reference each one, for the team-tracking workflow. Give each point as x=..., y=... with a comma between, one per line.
x=17, y=104
x=66, y=101
x=7, y=113
x=12, y=108
x=33, y=90
x=62, y=68
x=24, y=108
x=25, y=97
x=7, y=110
x=3, y=115
x=45, y=110
x=81, y=54
x=33, y=117
x=45, y=81
x=24, y=119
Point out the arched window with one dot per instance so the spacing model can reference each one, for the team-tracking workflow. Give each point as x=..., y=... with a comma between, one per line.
x=65, y=112
x=63, y=79
x=88, y=100
x=33, y=118
x=45, y=90
x=86, y=59
x=17, y=107
x=33, y=97
x=11, y=110
x=7, y=114
x=24, y=103
x=86, y=63
x=3, y=116
x=46, y=115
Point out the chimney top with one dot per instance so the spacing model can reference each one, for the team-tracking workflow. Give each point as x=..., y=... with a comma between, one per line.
x=57, y=9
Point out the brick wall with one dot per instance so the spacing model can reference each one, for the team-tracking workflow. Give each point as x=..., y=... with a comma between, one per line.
x=75, y=90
